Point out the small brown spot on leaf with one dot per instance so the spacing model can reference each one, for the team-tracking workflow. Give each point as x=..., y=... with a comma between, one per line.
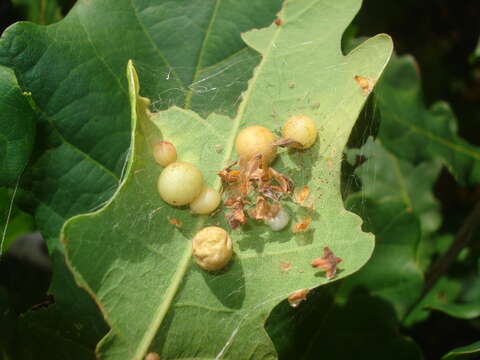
x=301, y=196
x=175, y=222
x=327, y=262
x=218, y=148
x=291, y=85
x=330, y=163
x=297, y=297
x=278, y=21
x=302, y=225
x=285, y=266
x=365, y=83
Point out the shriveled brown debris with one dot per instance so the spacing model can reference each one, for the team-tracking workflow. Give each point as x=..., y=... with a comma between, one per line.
x=257, y=178
x=175, y=222
x=263, y=209
x=236, y=215
x=328, y=262
x=297, y=297
x=228, y=175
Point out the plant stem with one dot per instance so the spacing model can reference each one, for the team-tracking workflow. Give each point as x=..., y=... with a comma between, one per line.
x=440, y=267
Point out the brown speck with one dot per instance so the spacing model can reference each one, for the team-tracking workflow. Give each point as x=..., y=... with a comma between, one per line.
x=315, y=105
x=285, y=266
x=278, y=21
x=291, y=85
x=297, y=297
x=301, y=196
x=302, y=225
x=365, y=83
x=327, y=262
x=218, y=148
x=175, y=222
x=330, y=163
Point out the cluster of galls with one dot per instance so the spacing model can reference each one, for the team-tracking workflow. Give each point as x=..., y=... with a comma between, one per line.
x=257, y=148
x=254, y=185
x=181, y=183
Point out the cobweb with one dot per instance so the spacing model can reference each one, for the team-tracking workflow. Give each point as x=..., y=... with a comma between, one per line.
x=207, y=86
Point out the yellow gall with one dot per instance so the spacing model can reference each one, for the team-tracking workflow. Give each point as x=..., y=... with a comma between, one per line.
x=164, y=153
x=207, y=201
x=255, y=140
x=212, y=248
x=302, y=129
x=180, y=183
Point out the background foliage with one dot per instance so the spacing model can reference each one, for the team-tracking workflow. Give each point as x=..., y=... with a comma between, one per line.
x=411, y=172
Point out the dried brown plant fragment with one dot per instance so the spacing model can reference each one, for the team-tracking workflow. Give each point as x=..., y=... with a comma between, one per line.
x=302, y=225
x=297, y=297
x=327, y=262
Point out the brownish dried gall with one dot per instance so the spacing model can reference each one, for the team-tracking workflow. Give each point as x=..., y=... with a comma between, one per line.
x=327, y=262
x=297, y=297
x=302, y=225
x=365, y=83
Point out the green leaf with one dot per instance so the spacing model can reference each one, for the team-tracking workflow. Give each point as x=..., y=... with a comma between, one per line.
x=385, y=177
x=67, y=329
x=393, y=273
x=17, y=128
x=471, y=351
x=364, y=327
x=416, y=134
x=475, y=56
x=457, y=294
x=154, y=297
x=39, y=11
x=75, y=72
x=466, y=304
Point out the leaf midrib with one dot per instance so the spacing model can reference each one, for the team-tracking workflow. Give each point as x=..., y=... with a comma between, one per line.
x=186, y=257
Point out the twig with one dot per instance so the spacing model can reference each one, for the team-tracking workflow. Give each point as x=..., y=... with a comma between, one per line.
x=440, y=267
